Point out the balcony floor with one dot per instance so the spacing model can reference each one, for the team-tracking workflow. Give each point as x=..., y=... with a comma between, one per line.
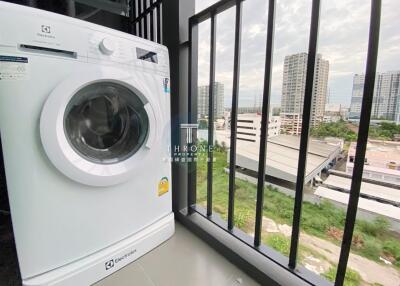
x=182, y=260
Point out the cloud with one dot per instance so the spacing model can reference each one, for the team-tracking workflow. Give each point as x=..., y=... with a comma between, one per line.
x=343, y=41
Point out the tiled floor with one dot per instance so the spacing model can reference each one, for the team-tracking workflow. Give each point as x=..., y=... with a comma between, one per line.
x=182, y=260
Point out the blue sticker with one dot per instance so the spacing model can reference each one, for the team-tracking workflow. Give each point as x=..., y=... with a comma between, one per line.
x=13, y=59
x=166, y=85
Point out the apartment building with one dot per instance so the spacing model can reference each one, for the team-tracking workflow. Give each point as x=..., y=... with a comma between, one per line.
x=293, y=88
x=386, y=103
x=203, y=100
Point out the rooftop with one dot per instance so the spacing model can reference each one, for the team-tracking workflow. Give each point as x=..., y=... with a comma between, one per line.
x=282, y=157
x=368, y=205
x=369, y=189
x=380, y=153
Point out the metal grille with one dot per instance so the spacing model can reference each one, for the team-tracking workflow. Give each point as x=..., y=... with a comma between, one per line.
x=211, y=13
x=146, y=19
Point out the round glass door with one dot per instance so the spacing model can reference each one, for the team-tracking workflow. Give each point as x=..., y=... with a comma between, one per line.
x=106, y=123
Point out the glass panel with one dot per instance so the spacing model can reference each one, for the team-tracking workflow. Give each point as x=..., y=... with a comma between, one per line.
x=203, y=4
x=106, y=123
x=324, y=206
x=202, y=111
x=376, y=238
x=222, y=104
x=284, y=121
x=375, y=245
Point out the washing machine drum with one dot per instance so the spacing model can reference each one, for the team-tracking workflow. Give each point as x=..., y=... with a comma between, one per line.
x=106, y=123
x=97, y=129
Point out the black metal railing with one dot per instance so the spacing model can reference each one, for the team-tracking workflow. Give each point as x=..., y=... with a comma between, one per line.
x=146, y=19
x=211, y=13
x=264, y=122
x=362, y=140
x=305, y=131
x=235, y=101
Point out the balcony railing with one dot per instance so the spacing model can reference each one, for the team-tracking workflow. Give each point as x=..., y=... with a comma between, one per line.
x=289, y=264
x=260, y=261
x=145, y=19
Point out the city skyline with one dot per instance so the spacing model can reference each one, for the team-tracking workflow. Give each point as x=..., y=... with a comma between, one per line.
x=343, y=43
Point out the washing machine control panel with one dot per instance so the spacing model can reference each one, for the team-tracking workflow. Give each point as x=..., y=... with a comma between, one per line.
x=137, y=52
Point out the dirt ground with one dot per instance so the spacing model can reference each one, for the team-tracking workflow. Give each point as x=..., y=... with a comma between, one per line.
x=370, y=271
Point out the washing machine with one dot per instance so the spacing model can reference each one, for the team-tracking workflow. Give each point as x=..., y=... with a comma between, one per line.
x=85, y=131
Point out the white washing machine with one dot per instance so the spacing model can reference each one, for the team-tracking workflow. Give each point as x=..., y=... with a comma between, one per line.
x=85, y=129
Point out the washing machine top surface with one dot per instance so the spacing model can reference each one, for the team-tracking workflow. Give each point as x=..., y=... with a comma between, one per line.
x=50, y=34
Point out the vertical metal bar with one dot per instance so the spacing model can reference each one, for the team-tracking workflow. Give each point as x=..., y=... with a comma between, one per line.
x=151, y=22
x=235, y=100
x=71, y=10
x=158, y=16
x=135, y=15
x=132, y=17
x=264, y=121
x=32, y=3
x=161, y=23
x=140, y=20
x=211, y=114
x=145, y=19
x=362, y=140
x=192, y=108
x=308, y=94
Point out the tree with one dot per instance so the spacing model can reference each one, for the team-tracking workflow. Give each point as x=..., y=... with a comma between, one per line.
x=338, y=129
x=384, y=131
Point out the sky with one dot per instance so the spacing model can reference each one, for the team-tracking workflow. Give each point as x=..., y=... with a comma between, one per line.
x=343, y=40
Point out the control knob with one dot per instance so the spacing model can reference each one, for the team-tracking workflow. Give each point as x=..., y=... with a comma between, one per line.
x=107, y=46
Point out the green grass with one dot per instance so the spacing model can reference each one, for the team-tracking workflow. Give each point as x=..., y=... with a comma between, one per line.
x=374, y=238
x=352, y=278
x=392, y=247
x=279, y=242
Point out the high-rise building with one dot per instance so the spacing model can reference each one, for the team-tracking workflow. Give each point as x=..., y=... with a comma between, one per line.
x=293, y=88
x=203, y=100
x=397, y=113
x=356, y=97
x=386, y=96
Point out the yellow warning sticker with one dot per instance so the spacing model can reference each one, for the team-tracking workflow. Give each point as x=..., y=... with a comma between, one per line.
x=163, y=186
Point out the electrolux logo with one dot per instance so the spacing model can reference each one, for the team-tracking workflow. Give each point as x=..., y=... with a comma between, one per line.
x=110, y=263
x=45, y=32
x=46, y=29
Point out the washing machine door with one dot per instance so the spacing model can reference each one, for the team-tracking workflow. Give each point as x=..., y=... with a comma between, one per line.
x=97, y=127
